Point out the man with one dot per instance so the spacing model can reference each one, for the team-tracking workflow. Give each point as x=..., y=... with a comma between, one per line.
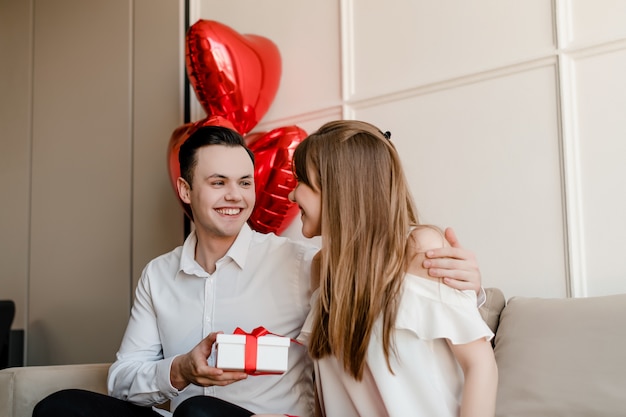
x=224, y=276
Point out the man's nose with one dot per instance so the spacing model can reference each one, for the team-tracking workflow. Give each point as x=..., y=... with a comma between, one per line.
x=233, y=193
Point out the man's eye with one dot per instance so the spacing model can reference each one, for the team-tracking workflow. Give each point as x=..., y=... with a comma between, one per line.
x=246, y=183
x=217, y=183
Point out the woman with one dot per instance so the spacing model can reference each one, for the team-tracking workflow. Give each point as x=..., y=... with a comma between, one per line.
x=387, y=339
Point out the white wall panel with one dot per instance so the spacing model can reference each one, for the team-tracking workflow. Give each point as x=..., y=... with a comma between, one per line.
x=601, y=105
x=590, y=22
x=484, y=158
x=400, y=44
x=307, y=36
x=80, y=238
x=477, y=83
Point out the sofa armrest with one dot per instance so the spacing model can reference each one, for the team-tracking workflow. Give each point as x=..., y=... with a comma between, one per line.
x=23, y=387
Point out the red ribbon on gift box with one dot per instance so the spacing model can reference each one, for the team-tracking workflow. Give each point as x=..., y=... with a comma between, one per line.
x=251, y=348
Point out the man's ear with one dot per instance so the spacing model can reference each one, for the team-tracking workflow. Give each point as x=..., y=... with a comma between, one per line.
x=183, y=190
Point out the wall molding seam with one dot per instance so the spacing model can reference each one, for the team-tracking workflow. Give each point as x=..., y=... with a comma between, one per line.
x=332, y=111
x=347, y=49
x=571, y=179
x=325, y=113
x=30, y=135
x=182, y=11
x=348, y=112
x=576, y=280
x=195, y=108
x=563, y=23
x=198, y=113
x=505, y=71
x=562, y=30
x=596, y=49
x=132, y=38
x=131, y=133
x=194, y=11
x=562, y=173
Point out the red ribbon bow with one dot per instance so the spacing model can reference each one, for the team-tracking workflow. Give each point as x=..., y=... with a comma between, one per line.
x=251, y=348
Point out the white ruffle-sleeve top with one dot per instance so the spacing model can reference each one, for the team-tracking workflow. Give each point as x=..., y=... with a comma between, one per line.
x=427, y=380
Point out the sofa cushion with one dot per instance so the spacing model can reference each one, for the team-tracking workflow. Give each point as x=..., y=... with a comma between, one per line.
x=492, y=308
x=562, y=357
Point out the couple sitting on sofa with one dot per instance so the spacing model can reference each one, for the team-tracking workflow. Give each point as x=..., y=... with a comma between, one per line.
x=388, y=334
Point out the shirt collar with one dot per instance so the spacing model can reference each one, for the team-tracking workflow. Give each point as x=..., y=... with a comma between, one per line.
x=188, y=263
x=238, y=252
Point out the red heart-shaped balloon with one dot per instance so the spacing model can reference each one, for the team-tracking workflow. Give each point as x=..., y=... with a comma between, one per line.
x=273, y=154
x=234, y=76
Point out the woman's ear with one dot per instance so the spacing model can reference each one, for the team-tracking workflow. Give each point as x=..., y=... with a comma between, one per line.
x=183, y=190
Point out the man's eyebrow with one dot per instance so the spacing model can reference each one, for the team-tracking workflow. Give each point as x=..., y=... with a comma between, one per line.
x=222, y=176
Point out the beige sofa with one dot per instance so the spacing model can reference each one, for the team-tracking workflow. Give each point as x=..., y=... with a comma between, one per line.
x=556, y=357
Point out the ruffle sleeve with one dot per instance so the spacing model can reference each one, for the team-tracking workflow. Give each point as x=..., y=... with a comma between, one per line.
x=432, y=310
x=429, y=309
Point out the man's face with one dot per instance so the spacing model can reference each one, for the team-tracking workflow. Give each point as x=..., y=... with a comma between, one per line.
x=222, y=195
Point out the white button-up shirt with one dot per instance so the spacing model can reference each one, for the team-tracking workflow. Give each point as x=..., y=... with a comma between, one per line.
x=263, y=280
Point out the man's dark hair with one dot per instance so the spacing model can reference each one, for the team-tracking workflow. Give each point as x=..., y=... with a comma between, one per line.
x=205, y=136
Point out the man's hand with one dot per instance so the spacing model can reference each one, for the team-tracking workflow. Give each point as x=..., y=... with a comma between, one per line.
x=457, y=266
x=192, y=368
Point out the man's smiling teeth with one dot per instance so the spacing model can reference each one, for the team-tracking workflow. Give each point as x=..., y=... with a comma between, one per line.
x=229, y=211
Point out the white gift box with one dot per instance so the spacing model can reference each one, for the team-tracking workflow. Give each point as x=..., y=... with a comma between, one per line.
x=272, y=353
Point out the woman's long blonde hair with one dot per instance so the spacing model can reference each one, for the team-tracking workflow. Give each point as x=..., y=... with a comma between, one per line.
x=367, y=213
